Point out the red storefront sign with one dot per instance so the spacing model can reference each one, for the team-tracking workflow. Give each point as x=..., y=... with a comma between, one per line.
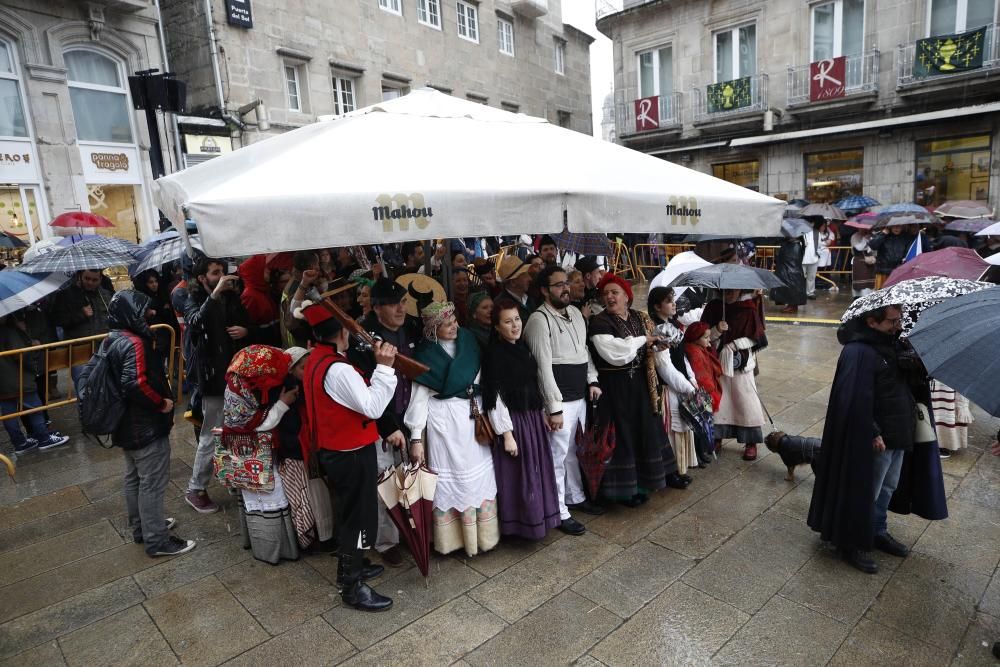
x=647, y=114
x=827, y=79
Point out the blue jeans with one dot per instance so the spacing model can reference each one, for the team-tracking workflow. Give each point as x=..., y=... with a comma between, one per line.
x=887, y=466
x=36, y=420
x=75, y=372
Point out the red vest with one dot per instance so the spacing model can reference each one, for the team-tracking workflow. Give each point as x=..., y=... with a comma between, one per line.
x=330, y=425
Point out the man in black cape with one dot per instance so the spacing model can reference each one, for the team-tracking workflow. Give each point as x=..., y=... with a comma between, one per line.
x=869, y=425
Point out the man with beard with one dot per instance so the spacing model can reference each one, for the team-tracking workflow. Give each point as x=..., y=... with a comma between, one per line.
x=557, y=335
x=220, y=327
x=390, y=322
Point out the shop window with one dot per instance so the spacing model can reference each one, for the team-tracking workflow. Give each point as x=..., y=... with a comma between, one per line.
x=343, y=95
x=505, y=36
x=14, y=218
x=833, y=175
x=735, y=53
x=955, y=168
x=837, y=29
x=945, y=17
x=99, y=98
x=560, y=53
x=429, y=13
x=468, y=21
x=120, y=205
x=656, y=72
x=745, y=173
x=12, y=120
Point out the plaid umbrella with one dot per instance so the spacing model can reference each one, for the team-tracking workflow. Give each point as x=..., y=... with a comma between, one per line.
x=955, y=340
x=19, y=290
x=825, y=211
x=913, y=297
x=583, y=244
x=99, y=241
x=964, y=208
x=156, y=255
x=855, y=203
x=77, y=258
x=951, y=262
x=972, y=226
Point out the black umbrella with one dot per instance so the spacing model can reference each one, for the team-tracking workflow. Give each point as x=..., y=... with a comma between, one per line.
x=795, y=227
x=728, y=276
x=956, y=340
x=8, y=240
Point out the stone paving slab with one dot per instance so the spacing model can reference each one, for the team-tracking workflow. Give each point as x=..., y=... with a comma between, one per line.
x=723, y=572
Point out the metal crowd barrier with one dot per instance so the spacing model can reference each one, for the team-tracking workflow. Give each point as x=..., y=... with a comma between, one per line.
x=65, y=354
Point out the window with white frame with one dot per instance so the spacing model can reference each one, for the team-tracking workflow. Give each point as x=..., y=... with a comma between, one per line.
x=837, y=29
x=391, y=6
x=945, y=17
x=560, y=52
x=429, y=13
x=98, y=96
x=391, y=92
x=12, y=119
x=505, y=36
x=293, y=86
x=735, y=53
x=656, y=72
x=468, y=21
x=343, y=95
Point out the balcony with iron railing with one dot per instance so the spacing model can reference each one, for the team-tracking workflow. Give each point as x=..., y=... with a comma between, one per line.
x=908, y=81
x=757, y=104
x=604, y=8
x=667, y=118
x=861, y=80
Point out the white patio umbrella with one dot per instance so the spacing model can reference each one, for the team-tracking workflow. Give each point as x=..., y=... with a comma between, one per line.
x=428, y=165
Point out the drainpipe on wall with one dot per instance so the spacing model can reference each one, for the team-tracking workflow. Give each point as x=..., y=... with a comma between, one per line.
x=166, y=68
x=214, y=51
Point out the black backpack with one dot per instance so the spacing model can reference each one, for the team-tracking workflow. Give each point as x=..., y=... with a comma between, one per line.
x=99, y=400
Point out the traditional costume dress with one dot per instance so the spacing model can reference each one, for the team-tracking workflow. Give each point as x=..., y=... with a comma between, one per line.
x=642, y=459
x=527, y=495
x=952, y=417
x=465, y=507
x=740, y=414
x=265, y=519
x=677, y=378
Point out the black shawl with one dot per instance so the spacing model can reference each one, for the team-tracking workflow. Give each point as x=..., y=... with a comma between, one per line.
x=510, y=371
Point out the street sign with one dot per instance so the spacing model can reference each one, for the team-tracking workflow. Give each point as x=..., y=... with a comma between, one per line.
x=238, y=12
x=827, y=79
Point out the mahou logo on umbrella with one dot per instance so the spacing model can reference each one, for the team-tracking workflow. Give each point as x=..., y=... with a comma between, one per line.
x=402, y=208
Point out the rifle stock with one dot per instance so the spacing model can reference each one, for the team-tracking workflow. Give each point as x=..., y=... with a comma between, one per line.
x=409, y=367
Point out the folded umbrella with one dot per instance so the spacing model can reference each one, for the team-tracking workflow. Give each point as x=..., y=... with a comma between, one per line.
x=856, y=203
x=913, y=297
x=955, y=340
x=964, y=208
x=951, y=262
x=973, y=226
x=77, y=257
x=19, y=290
x=408, y=493
x=825, y=211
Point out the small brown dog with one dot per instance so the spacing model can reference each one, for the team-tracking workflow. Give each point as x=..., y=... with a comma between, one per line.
x=794, y=451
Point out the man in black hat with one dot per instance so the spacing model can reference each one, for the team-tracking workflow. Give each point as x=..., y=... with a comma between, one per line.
x=390, y=322
x=592, y=274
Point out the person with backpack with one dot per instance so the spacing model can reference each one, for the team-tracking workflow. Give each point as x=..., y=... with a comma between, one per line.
x=130, y=364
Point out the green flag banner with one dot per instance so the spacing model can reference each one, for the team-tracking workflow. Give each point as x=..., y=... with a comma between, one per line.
x=729, y=95
x=947, y=54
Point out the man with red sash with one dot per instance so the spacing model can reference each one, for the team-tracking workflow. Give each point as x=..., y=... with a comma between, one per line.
x=341, y=408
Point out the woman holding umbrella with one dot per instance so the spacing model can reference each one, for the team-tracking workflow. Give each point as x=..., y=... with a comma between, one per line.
x=737, y=323
x=891, y=245
x=623, y=343
x=444, y=402
x=526, y=485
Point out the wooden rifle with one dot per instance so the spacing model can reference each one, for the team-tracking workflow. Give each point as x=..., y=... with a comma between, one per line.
x=409, y=367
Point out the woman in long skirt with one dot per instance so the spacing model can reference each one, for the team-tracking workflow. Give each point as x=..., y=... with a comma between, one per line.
x=465, y=507
x=526, y=482
x=621, y=341
x=266, y=519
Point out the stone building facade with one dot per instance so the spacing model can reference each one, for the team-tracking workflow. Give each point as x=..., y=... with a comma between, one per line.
x=69, y=137
x=303, y=59
x=724, y=87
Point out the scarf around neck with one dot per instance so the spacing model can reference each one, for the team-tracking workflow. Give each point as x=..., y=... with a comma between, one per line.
x=450, y=376
x=510, y=372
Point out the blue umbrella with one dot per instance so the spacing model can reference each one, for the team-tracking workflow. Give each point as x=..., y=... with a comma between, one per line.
x=856, y=203
x=19, y=290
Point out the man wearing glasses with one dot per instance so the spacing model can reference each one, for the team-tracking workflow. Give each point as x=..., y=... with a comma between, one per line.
x=870, y=424
x=557, y=335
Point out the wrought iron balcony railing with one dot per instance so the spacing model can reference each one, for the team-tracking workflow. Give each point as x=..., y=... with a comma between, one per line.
x=668, y=116
x=862, y=78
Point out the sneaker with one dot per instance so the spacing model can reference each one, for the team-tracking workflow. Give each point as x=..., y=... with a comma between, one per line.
x=944, y=453
x=54, y=440
x=200, y=501
x=750, y=453
x=171, y=522
x=27, y=445
x=174, y=546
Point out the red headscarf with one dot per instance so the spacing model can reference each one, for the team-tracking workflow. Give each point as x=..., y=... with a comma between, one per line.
x=695, y=331
x=617, y=280
x=253, y=372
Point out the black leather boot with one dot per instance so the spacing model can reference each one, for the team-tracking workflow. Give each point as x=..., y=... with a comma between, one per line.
x=356, y=592
x=369, y=570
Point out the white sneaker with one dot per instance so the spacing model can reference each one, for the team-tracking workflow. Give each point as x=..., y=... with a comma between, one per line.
x=174, y=546
x=55, y=440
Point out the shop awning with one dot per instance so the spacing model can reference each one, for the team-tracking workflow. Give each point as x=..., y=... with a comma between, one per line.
x=911, y=119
